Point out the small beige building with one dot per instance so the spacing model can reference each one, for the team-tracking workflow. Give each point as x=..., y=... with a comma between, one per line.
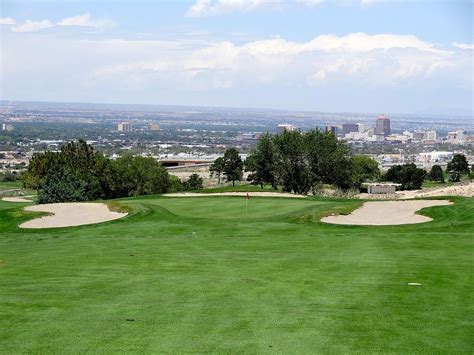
x=381, y=188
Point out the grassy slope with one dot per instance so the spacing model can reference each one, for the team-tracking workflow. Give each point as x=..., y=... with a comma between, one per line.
x=267, y=283
x=8, y=185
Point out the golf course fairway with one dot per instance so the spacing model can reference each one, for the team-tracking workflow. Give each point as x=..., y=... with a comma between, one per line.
x=226, y=275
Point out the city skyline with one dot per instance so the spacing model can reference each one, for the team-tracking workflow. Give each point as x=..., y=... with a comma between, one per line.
x=354, y=56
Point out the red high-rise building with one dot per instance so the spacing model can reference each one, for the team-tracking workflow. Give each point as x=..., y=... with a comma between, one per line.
x=382, y=126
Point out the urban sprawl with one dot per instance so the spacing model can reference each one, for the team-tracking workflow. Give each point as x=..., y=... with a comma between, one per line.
x=190, y=136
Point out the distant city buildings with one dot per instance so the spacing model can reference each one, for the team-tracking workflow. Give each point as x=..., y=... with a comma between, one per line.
x=247, y=137
x=456, y=137
x=7, y=127
x=154, y=127
x=124, y=127
x=285, y=127
x=431, y=135
x=435, y=157
x=331, y=129
x=349, y=128
x=382, y=126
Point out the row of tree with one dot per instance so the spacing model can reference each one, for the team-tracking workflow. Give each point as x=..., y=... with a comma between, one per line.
x=78, y=173
x=410, y=177
x=298, y=162
x=301, y=162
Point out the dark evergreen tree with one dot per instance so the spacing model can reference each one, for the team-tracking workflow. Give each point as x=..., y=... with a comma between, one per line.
x=454, y=176
x=459, y=164
x=436, y=174
x=195, y=182
x=62, y=185
x=262, y=162
x=233, y=165
x=408, y=175
x=217, y=169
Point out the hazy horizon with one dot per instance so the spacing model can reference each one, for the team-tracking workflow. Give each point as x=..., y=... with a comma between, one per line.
x=316, y=55
x=160, y=106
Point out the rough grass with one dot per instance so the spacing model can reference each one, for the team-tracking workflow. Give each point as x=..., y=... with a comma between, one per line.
x=198, y=275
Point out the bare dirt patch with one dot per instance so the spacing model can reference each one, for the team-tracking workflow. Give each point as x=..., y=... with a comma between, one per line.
x=251, y=194
x=463, y=189
x=70, y=214
x=384, y=213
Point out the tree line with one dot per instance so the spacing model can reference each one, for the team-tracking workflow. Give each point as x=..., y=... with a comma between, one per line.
x=411, y=178
x=301, y=162
x=298, y=162
x=78, y=173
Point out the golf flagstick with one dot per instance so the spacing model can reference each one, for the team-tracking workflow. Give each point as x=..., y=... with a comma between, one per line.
x=247, y=198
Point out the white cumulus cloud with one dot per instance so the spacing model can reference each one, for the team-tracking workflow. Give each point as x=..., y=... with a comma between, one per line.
x=84, y=20
x=7, y=21
x=203, y=8
x=383, y=59
x=33, y=26
x=463, y=45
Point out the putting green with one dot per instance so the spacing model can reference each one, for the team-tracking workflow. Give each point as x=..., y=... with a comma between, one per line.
x=236, y=207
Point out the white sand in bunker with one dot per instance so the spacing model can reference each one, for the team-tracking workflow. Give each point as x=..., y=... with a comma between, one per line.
x=71, y=214
x=251, y=194
x=384, y=213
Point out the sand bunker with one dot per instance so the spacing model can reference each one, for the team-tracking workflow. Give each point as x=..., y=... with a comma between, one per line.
x=16, y=199
x=71, y=214
x=383, y=213
x=252, y=194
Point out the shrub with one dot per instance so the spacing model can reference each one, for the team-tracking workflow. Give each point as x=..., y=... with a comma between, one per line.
x=195, y=182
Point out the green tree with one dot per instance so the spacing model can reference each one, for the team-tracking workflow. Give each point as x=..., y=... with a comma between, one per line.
x=40, y=164
x=138, y=176
x=436, y=174
x=175, y=184
x=364, y=169
x=459, y=164
x=195, y=182
x=233, y=165
x=81, y=160
x=454, y=176
x=62, y=185
x=408, y=175
x=217, y=168
x=328, y=160
x=292, y=164
x=262, y=162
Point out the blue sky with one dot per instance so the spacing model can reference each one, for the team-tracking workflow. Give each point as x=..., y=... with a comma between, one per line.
x=322, y=55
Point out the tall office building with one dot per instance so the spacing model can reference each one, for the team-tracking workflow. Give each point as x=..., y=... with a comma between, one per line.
x=332, y=129
x=382, y=126
x=349, y=128
x=124, y=127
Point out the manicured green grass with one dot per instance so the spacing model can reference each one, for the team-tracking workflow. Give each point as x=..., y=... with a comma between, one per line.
x=240, y=187
x=183, y=275
x=8, y=185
